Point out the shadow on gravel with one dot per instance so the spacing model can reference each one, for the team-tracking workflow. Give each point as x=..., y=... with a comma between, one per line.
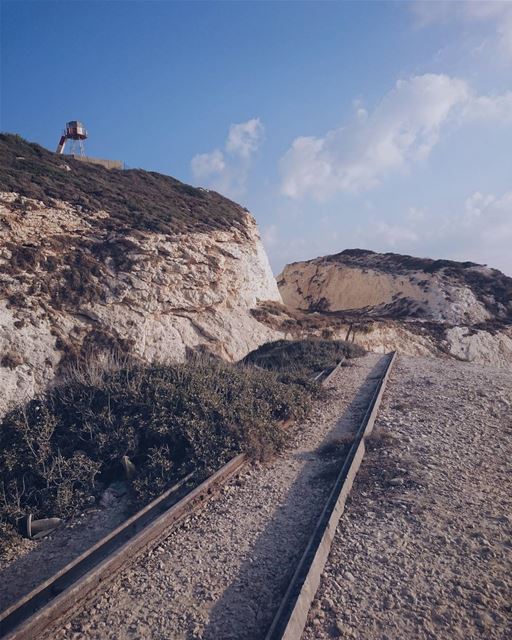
x=247, y=607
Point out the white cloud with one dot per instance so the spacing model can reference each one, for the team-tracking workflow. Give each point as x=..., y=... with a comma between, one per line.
x=416, y=214
x=270, y=235
x=497, y=108
x=402, y=129
x=227, y=171
x=393, y=236
x=206, y=164
x=491, y=217
x=483, y=231
x=480, y=232
x=495, y=15
x=245, y=138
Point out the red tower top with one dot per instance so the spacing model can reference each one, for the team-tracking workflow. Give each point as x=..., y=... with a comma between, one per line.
x=75, y=130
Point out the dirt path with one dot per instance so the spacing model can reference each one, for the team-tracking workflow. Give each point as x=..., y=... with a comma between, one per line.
x=424, y=548
x=221, y=575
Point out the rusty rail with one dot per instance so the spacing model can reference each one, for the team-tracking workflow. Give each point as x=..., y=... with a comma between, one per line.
x=291, y=617
x=80, y=580
x=94, y=569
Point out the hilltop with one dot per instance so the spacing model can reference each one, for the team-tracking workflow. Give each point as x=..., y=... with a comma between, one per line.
x=135, y=199
x=399, y=286
x=94, y=261
x=389, y=301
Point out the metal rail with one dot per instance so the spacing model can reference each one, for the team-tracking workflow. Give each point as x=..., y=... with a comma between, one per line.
x=290, y=619
x=329, y=372
x=80, y=579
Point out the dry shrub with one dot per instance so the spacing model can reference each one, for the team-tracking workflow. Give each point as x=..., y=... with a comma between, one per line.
x=380, y=438
x=8, y=539
x=63, y=448
x=302, y=359
x=11, y=359
x=337, y=447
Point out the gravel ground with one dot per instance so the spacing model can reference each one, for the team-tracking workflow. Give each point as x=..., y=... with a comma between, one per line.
x=221, y=575
x=424, y=547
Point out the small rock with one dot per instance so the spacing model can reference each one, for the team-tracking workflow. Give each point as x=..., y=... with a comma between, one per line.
x=478, y=599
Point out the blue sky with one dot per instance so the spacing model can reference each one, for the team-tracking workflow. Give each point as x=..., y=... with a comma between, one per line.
x=383, y=125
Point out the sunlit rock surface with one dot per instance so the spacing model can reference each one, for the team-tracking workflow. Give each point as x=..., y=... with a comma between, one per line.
x=134, y=262
x=415, y=305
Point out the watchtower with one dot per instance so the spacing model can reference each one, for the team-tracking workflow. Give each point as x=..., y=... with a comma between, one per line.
x=74, y=131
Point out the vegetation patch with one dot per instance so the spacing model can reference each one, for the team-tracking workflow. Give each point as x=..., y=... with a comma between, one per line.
x=302, y=359
x=134, y=199
x=60, y=451
x=295, y=323
x=327, y=325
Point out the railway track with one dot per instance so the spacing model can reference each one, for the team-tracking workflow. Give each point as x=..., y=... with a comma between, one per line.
x=80, y=581
x=82, y=578
x=290, y=619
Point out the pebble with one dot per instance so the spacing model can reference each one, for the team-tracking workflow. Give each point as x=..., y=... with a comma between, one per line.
x=432, y=551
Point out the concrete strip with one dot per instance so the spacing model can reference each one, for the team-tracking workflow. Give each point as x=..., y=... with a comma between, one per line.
x=334, y=371
x=299, y=615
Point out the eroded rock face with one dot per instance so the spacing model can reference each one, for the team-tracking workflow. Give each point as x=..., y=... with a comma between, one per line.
x=71, y=285
x=493, y=348
x=415, y=305
x=399, y=286
x=463, y=343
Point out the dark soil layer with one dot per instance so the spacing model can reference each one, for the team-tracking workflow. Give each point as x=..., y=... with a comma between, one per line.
x=301, y=324
x=60, y=451
x=135, y=199
x=394, y=262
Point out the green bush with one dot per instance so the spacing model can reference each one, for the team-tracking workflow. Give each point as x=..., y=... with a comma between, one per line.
x=59, y=451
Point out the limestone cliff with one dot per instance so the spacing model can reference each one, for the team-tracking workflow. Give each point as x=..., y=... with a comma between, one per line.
x=416, y=305
x=93, y=260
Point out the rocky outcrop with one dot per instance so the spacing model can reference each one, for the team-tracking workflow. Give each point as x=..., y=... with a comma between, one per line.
x=486, y=347
x=395, y=286
x=415, y=305
x=77, y=279
x=462, y=343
